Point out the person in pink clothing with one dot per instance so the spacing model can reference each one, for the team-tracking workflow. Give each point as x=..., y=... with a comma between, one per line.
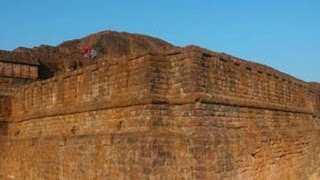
x=86, y=51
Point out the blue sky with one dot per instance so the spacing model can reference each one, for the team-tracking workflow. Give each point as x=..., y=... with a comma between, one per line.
x=284, y=34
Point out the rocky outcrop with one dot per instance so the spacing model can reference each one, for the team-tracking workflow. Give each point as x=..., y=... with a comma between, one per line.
x=67, y=56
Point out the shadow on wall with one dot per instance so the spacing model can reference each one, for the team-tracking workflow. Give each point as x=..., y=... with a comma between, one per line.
x=3, y=131
x=3, y=135
x=44, y=72
x=5, y=109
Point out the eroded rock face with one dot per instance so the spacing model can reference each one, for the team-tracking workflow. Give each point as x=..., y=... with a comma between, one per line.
x=67, y=56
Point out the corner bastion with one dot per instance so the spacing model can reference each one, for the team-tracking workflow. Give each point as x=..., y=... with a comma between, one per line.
x=187, y=113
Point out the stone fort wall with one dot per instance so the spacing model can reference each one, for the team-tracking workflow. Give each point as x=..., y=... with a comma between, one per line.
x=18, y=70
x=187, y=114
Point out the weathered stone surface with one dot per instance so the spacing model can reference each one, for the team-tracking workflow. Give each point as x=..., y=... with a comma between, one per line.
x=67, y=56
x=184, y=113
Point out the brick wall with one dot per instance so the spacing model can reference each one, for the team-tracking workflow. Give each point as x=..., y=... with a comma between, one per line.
x=187, y=114
x=113, y=83
x=9, y=69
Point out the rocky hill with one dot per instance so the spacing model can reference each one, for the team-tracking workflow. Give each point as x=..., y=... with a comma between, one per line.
x=67, y=55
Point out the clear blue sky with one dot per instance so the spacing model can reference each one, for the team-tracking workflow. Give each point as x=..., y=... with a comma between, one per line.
x=284, y=34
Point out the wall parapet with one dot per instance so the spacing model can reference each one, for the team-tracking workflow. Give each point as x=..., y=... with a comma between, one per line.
x=18, y=70
x=220, y=78
x=228, y=76
x=180, y=76
x=105, y=84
